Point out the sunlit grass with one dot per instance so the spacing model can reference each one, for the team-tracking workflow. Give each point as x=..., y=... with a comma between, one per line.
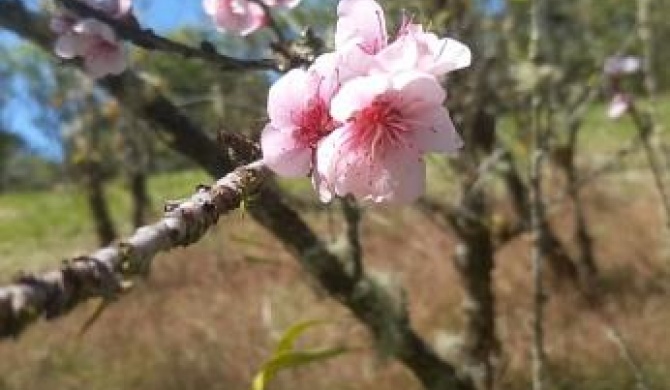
x=40, y=228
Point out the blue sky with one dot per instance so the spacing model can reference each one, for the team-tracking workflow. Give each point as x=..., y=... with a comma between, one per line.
x=161, y=15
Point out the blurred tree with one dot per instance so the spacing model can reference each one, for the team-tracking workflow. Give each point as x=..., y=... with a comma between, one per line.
x=10, y=146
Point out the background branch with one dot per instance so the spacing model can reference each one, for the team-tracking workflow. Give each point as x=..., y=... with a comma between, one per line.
x=149, y=40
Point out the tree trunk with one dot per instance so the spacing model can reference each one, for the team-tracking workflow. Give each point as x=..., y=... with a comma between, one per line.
x=97, y=204
x=140, y=197
x=560, y=263
x=474, y=262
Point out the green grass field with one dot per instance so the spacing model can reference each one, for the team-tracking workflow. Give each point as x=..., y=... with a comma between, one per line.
x=38, y=229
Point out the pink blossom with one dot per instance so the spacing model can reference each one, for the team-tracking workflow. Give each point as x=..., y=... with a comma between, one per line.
x=615, y=66
x=362, y=23
x=238, y=16
x=281, y=3
x=114, y=8
x=298, y=107
x=619, y=105
x=389, y=123
x=94, y=41
x=360, y=119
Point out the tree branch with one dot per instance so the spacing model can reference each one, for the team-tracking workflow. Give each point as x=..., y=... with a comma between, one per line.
x=149, y=40
x=101, y=273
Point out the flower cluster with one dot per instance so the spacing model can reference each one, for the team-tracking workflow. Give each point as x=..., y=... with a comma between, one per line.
x=615, y=68
x=91, y=39
x=242, y=16
x=361, y=118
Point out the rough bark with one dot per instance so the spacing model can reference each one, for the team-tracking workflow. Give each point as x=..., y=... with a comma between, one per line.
x=100, y=274
x=474, y=261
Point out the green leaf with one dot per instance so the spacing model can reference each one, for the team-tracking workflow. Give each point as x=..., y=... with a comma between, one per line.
x=292, y=359
x=285, y=357
x=289, y=337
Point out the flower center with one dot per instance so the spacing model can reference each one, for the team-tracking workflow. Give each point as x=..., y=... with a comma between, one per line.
x=379, y=127
x=314, y=123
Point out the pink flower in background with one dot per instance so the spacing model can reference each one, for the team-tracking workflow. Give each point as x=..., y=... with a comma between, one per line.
x=389, y=123
x=92, y=40
x=237, y=16
x=282, y=3
x=615, y=66
x=114, y=8
x=619, y=105
x=298, y=107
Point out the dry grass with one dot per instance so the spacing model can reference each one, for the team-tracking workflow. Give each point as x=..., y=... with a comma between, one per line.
x=208, y=315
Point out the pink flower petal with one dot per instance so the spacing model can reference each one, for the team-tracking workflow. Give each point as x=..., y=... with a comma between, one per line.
x=69, y=45
x=288, y=96
x=283, y=154
x=443, y=55
x=397, y=177
x=115, y=8
x=93, y=27
x=420, y=91
x=61, y=24
x=619, y=105
x=282, y=3
x=622, y=65
x=361, y=21
x=357, y=94
x=107, y=61
x=341, y=66
x=238, y=16
x=438, y=134
x=401, y=55
x=258, y=19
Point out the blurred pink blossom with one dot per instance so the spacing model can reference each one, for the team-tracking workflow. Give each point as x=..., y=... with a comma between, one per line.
x=114, y=8
x=615, y=65
x=92, y=40
x=281, y=3
x=237, y=16
x=619, y=105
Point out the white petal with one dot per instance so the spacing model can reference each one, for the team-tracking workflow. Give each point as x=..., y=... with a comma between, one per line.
x=363, y=21
x=288, y=97
x=356, y=94
x=438, y=134
x=283, y=155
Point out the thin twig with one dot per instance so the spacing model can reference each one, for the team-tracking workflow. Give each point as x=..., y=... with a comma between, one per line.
x=626, y=354
x=149, y=40
x=538, y=252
